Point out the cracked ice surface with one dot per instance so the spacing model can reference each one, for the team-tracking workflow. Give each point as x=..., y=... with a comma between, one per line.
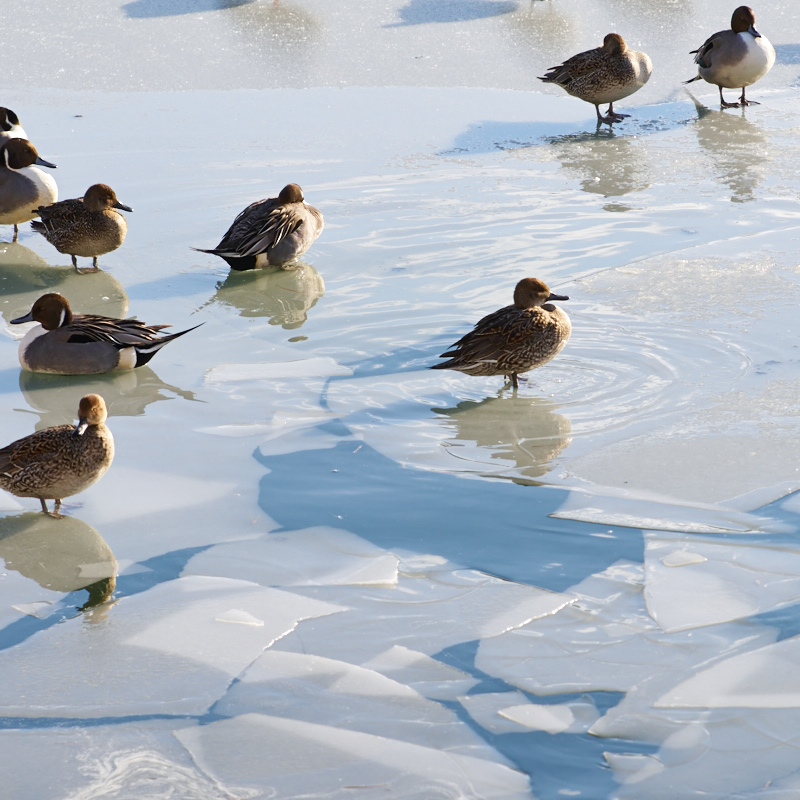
x=179, y=630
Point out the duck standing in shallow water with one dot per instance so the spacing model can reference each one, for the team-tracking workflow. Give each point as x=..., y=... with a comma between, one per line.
x=23, y=186
x=58, y=462
x=736, y=58
x=9, y=126
x=87, y=226
x=270, y=233
x=603, y=75
x=514, y=339
x=64, y=343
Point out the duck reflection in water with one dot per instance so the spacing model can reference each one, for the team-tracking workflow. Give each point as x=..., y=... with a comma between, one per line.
x=284, y=296
x=524, y=434
x=25, y=276
x=737, y=147
x=603, y=162
x=127, y=393
x=65, y=556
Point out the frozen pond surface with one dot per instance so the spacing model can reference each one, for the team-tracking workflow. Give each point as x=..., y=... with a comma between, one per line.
x=317, y=568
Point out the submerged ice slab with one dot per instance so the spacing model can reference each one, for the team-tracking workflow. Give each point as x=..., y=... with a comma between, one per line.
x=179, y=630
x=318, y=367
x=274, y=755
x=312, y=557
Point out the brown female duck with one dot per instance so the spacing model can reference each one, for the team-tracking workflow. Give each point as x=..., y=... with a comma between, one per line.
x=513, y=339
x=61, y=461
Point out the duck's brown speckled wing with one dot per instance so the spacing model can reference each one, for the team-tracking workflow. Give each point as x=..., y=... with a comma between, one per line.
x=61, y=212
x=508, y=340
x=580, y=66
x=260, y=226
x=33, y=452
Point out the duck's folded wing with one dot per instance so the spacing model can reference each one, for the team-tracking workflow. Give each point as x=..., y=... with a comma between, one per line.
x=705, y=53
x=121, y=333
x=578, y=66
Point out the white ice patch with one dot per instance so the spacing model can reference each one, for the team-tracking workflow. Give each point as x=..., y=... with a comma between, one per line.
x=574, y=717
x=277, y=755
x=693, y=582
x=311, y=557
x=319, y=367
x=171, y=631
x=485, y=709
x=763, y=678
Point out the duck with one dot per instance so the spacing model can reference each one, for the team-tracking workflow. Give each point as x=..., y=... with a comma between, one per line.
x=23, y=186
x=603, y=75
x=64, y=343
x=273, y=232
x=514, y=339
x=87, y=226
x=9, y=126
x=61, y=461
x=735, y=58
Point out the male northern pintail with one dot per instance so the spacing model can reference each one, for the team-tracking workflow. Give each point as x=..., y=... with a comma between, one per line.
x=736, y=58
x=272, y=232
x=9, y=126
x=58, y=462
x=603, y=75
x=23, y=186
x=513, y=339
x=87, y=226
x=85, y=344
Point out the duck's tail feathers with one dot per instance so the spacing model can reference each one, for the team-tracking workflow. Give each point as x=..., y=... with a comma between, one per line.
x=692, y=80
x=144, y=352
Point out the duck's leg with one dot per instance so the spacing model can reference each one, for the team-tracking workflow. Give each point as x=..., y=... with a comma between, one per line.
x=724, y=103
x=600, y=118
x=616, y=114
x=54, y=513
x=744, y=102
x=16, y=232
x=514, y=378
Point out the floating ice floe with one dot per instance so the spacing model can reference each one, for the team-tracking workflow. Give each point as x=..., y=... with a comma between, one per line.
x=311, y=688
x=606, y=641
x=178, y=630
x=318, y=367
x=310, y=557
x=274, y=756
x=692, y=582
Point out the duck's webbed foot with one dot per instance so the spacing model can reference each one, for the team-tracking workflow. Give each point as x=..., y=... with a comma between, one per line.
x=54, y=513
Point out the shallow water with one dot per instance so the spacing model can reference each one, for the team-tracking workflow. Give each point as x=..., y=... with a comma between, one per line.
x=315, y=566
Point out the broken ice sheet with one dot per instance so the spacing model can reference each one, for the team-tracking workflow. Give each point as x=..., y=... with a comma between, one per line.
x=605, y=641
x=331, y=692
x=575, y=716
x=309, y=557
x=718, y=754
x=276, y=755
x=171, y=630
x=431, y=678
x=485, y=709
x=692, y=581
x=426, y=612
x=763, y=678
x=608, y=506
